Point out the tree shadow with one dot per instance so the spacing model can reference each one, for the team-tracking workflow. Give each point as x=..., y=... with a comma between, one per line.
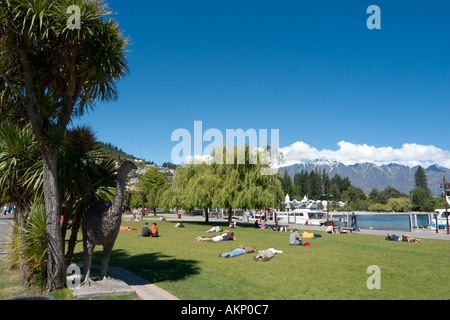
x=154, y=267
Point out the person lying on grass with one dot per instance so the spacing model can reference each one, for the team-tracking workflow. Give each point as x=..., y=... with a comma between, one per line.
x=214, y=229
x=238, y=252
x=224, y=237
x=266, y=255
x=405, y=238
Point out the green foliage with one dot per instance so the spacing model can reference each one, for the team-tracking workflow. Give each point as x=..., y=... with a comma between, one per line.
x=20, y=165
x=379, y=207
x=51, y=73
x=420, y=179
x=150, y=187
x=419, y=198
x=117, y=153
x=224, y=184
x=400, y=204
x=28, y=252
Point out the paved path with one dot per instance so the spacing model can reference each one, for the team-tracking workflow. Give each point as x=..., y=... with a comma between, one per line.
x=144, y=289
x=6, y=222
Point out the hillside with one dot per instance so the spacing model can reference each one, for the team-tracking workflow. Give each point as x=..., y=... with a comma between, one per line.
x=167, y=169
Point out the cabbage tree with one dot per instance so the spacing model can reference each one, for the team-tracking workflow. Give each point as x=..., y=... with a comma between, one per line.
x=57, y=59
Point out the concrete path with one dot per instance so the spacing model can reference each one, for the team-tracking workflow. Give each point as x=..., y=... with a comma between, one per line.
x=6, y=222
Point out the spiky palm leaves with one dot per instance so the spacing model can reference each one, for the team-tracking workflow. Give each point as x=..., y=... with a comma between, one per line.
x=84, y=176
x=50, y=73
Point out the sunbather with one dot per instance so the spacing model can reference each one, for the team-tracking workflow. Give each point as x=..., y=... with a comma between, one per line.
x=214, y=229
x=404, y=238
x=238, y=252
x=266, y=255
x=224, y=237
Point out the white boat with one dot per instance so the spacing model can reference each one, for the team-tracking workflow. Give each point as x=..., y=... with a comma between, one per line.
x=302, y=217
x=441, y=215
x=441, y=219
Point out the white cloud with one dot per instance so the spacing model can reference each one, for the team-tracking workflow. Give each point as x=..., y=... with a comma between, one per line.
x=410, y=154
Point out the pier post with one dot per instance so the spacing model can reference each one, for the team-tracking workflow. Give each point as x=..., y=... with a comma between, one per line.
x=410, y=223
x=415, y=220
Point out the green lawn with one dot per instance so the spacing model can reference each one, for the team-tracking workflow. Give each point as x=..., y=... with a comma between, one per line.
x=333, y=267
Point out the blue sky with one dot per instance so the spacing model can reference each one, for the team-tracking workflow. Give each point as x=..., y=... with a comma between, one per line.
x=311, y=69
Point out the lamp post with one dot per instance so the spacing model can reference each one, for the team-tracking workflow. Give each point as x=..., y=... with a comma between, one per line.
x=328, y=209
x=446, y=206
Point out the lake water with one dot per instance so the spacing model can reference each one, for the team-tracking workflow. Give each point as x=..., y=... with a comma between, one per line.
x=379, y=222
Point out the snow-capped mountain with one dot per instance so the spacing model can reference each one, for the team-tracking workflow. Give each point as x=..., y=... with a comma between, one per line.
x=369, y=175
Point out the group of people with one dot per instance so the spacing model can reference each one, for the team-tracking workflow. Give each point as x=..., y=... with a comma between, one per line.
x=331, y=229
x=296, y=239
x=7, y=209
x=147, y=231
x=405, y=238
x=264, y=255
x=264, y=225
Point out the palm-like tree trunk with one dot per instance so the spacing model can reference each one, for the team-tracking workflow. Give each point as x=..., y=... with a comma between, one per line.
x=55, y=274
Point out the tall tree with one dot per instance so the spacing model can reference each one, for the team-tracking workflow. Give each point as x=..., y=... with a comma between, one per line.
x=151, y=185
x=420, y=179
x=419, y=198
x=286, y=183
x=301, y=183
x=51, y=72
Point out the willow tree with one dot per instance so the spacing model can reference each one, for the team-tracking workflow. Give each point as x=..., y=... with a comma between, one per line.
x=244, y=182
x=203, y=186
x=176, y=195
x=53, y=69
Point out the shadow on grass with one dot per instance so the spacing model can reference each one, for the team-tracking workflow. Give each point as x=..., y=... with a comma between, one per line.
x=154, y=267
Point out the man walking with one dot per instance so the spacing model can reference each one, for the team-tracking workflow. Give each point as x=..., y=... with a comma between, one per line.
x=354, y=225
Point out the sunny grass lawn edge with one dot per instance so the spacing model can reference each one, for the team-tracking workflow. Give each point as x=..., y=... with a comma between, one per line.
x=334, y=267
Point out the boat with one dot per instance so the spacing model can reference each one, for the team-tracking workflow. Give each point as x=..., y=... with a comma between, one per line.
x=440, y=220
x=302, y=217
x=441, y=215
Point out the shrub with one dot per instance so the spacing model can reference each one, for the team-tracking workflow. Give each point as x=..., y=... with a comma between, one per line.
x=28, y=247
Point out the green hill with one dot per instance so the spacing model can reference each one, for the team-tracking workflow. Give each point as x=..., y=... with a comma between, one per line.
x=119, y=154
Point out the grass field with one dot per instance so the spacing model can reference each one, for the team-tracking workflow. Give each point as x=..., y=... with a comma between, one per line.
x=333, y=267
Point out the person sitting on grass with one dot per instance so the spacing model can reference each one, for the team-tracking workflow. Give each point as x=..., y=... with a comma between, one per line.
x=330, y=229
x=405, y=238
x=238, y=252
x=154, y=229
x=295, y=239
x=266, y=255
x=146, y=231
x=340, y=230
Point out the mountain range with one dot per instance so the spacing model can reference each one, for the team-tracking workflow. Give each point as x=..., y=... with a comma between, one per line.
x=369, y=175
